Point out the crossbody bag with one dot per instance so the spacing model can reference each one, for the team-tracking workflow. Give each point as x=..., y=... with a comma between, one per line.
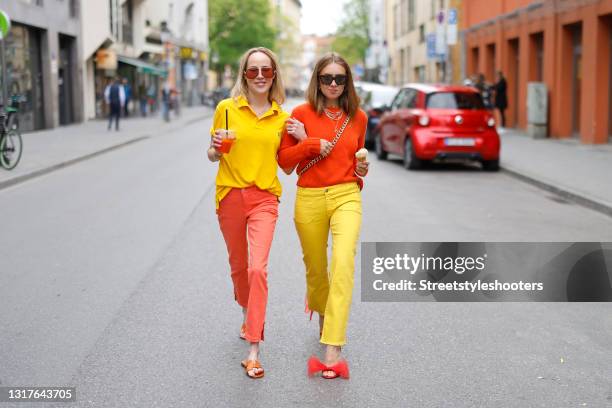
x=333, y=143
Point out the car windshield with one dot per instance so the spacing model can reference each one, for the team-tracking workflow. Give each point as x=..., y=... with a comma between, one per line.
x=383, y=97
x=455, y=100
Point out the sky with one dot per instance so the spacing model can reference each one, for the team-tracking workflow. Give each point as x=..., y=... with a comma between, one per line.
x=321, y=16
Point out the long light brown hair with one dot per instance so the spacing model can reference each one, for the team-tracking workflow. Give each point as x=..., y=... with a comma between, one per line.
x=277, y=90
x=348, y=100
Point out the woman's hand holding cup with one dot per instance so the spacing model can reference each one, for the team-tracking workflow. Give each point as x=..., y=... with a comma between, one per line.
x=223, y=140
x=216, y=140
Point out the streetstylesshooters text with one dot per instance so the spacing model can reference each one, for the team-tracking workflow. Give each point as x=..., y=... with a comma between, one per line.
x=458, y=265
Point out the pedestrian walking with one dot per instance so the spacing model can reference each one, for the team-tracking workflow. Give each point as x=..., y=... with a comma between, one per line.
x=485, y=91
x=245, y=139
x=152, y=97
x=142, y=99
x=322, y=138
x=127, y=89
x=175, y=101
x=501, y=97
x=166, y=101
x=114, y=95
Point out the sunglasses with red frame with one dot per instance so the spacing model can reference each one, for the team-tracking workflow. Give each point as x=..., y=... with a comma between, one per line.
x=253, y=72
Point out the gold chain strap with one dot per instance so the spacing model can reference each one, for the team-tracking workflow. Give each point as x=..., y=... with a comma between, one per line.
x=333, y=143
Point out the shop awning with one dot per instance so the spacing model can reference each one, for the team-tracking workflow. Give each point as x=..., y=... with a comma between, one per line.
x=142, y=66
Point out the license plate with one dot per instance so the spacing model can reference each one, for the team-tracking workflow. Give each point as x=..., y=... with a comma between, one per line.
x=459, y=141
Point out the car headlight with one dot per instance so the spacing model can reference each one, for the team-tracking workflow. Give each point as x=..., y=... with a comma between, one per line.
x=424, y=120
x=491, y=122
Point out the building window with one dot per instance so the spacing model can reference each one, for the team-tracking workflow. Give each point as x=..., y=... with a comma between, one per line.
x=421, y=33
x=188, y=24
x=403, y=17
x=126, y=22
x=396, y=19
x=401, y=58
x=74, y=8
x=406, y=67
x=114, y=24
x=411, y=16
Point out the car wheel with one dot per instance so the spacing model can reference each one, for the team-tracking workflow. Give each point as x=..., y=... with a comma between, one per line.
x=410, y=160
x=490, y=165
x=380, y=152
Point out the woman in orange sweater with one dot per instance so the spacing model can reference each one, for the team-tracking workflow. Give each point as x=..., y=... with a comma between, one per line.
x=321, y=139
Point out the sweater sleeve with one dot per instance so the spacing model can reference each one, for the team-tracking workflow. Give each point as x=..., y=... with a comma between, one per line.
x=291, y=152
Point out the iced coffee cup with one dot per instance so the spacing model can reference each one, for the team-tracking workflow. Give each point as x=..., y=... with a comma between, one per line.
x=228, y=137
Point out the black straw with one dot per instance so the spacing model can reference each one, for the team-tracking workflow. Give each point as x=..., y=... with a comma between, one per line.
x=226, y=128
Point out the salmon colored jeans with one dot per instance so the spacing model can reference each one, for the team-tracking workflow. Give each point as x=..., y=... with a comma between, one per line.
x=247, y=218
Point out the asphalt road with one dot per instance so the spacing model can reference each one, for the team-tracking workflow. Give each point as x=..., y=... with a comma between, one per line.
x=114, y=279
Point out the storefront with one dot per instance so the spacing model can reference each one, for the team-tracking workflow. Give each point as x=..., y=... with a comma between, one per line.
x=144, y=79
x=25, y=78
x=558, y=45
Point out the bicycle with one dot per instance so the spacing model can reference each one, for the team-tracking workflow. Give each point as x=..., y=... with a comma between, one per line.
x=11, y=144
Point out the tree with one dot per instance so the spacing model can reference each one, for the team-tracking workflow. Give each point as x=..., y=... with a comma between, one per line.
x=353, y=38
x=234, y=27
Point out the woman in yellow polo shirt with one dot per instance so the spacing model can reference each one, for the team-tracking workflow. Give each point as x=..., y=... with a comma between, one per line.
x=248, y=187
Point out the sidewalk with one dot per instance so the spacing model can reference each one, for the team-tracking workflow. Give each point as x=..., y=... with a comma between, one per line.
x=579, y=172
x=48, y=150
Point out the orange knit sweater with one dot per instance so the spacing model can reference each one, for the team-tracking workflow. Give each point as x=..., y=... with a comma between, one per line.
x=339, y=166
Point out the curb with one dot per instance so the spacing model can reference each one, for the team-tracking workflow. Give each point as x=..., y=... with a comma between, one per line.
x=46, y=170
x=571, y=196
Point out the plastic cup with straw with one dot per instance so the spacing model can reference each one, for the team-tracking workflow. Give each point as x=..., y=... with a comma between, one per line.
x=228, y=136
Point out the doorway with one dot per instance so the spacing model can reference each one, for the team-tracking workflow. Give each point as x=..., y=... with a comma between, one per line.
x=513, y=80
x=65, y=79
x=576, y=78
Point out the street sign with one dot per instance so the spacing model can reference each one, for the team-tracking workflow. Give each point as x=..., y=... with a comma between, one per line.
x=106, y=59
x=452, y=16
x=451, y=30
x=431, y=46
x=5, y=24
x=440, y=40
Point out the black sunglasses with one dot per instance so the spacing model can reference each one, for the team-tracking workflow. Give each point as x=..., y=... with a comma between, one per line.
x=328, y=79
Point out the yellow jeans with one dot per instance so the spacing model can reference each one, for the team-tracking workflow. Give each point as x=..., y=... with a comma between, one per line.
x=329, y=293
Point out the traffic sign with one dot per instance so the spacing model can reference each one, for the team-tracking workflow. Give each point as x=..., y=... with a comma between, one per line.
x=5, y=24
x=452, y=16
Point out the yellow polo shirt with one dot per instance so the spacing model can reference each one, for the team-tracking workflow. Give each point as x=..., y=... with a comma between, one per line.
x=252, y=159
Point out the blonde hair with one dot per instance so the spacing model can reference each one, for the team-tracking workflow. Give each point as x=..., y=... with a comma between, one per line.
x=277, y=90
x=348, y=101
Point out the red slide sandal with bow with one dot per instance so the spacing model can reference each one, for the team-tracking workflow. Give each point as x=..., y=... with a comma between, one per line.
x=340, y=369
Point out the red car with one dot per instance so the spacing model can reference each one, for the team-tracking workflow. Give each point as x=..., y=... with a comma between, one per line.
x=438, y=122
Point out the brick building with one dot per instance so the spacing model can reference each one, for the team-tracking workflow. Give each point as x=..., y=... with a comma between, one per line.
x=563, y=43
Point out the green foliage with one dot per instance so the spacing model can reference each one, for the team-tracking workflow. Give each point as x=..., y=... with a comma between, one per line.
x=352, y=38
x=237, y=25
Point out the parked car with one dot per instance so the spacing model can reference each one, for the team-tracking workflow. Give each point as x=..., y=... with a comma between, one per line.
x=438, y=122
x=375, y=100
